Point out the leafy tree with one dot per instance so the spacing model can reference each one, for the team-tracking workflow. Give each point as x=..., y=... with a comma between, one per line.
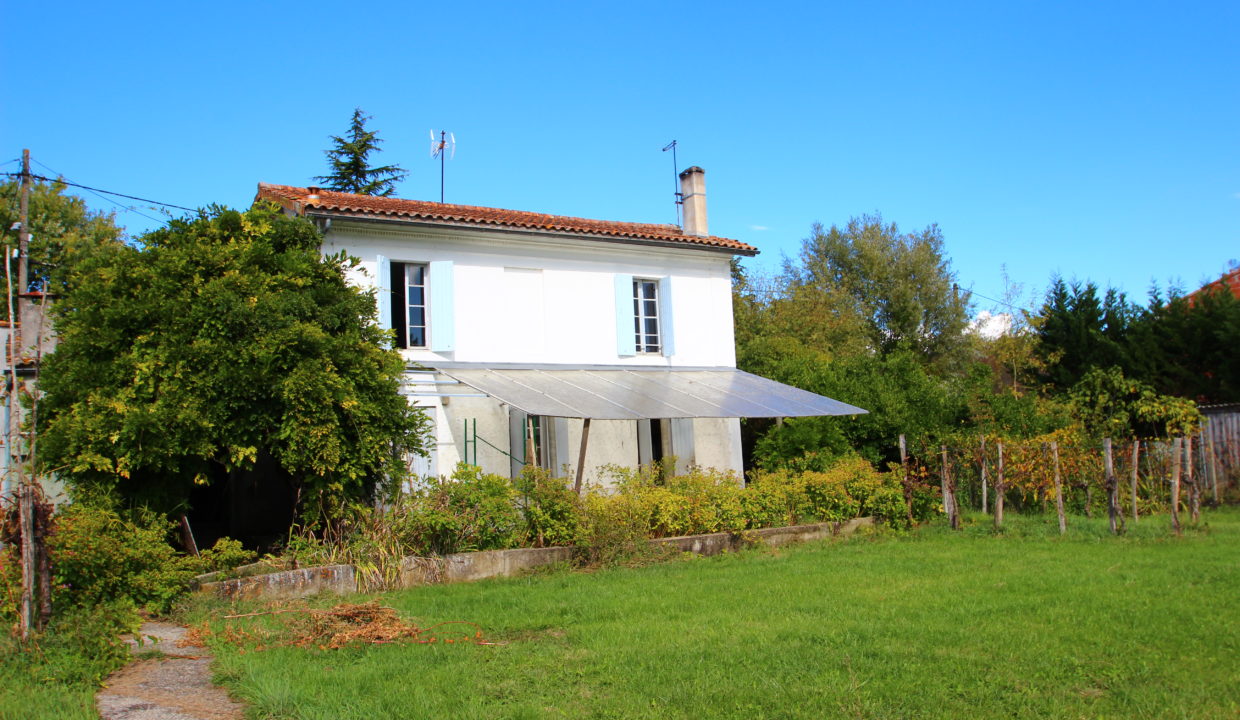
x=1186, y=345
x=349, y=163
x=1108, y=404
x=212, y=345
x=1079, y=331
x=63, y=231
x=900, y=285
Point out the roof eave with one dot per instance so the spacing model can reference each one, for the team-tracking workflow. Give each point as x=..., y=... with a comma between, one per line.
x=329, y=213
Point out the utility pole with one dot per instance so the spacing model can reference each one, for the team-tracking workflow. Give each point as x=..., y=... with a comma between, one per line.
x=23, y=234
x=25, y=493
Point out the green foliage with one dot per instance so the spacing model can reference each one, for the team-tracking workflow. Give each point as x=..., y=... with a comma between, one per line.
x=226, y=554
x=63, y=231
x=1079, y=331
x=549, y=507
x=100, y=556
x=471, y=510
x=349, y=163
x=56, y=673
x=1108, y=404
x=902, y=285
x=901, y=394
x=213, y=341
x=1180, y=346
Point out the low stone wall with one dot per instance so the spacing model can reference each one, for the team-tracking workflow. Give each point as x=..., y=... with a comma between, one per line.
x=716, y=543
x=258, y=568
x=467, y=567
x=338, y=579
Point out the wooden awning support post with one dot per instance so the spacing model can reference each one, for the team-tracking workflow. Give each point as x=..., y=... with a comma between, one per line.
x=581, y=457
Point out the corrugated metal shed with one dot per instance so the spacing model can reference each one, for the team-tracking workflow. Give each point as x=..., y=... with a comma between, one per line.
x=637, y=393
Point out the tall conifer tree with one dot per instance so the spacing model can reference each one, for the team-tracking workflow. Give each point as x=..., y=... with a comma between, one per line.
x=350, y=170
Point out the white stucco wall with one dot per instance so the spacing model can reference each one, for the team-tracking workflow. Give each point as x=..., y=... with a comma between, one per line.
x=521, y=298
x=524, y=299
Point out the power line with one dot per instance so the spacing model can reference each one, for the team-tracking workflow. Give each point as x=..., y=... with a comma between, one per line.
x=124, y=208
x=63, y=181
x=1001, y=302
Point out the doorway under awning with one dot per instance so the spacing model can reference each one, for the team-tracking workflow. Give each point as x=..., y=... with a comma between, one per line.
x=640, y=393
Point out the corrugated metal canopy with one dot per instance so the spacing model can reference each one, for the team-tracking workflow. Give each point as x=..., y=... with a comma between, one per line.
x=637, y=393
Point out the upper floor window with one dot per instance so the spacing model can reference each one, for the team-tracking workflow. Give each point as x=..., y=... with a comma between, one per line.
x=646, y=315
x=419, y=304
x=415, y=299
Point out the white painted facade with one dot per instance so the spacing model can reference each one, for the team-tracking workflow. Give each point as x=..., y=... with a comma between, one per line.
x=499, y=296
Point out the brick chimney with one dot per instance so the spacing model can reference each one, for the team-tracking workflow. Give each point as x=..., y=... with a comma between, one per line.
x=693, y=199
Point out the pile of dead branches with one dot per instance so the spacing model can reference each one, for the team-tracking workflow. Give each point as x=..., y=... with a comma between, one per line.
x=348, y=625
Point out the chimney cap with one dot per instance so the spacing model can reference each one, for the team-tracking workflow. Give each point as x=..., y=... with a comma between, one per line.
x=690, y=170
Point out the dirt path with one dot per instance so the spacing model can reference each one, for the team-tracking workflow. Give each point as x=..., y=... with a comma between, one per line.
x=174, y=687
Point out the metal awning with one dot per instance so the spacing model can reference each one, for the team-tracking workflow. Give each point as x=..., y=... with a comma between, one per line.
x=640, y=393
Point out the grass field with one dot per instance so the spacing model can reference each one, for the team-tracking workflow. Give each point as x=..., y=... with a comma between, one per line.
x=929, y=624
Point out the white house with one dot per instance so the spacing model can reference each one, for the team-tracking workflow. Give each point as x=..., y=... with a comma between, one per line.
x=571, y=343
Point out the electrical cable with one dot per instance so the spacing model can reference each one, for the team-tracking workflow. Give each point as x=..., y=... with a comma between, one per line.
x=125, y=208
x=64, y=181
x=95, y=191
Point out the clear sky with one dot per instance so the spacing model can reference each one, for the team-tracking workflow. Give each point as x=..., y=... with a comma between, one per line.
x=1097, y=140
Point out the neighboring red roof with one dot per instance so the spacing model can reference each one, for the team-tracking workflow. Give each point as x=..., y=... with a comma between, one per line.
x=300, y=199
x=1230, y=281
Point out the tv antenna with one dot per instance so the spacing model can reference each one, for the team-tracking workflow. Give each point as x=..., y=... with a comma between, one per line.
x=444, y=147
x=675, y=179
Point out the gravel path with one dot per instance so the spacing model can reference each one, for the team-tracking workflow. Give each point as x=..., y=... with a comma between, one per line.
x=174, y=687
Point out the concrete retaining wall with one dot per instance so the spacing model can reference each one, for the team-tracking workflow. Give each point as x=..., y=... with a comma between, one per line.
x=466, y=567
x=338, y=579
x=716, y=543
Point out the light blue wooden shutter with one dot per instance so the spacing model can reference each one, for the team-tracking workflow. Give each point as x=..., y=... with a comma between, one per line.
x=383, y=297
x=665, y=316
x=683, y=444
x=443, y=313
x=626, y=338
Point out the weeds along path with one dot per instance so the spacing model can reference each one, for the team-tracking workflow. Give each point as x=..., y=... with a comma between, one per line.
x=173, y=685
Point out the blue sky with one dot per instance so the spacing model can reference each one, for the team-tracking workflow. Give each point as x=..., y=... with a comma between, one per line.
x=1096, y=140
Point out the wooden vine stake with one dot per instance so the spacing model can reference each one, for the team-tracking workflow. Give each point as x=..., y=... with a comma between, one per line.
x=1136, y=453
x=1175, y=485
x=1212, y=459
x=949, y=493
x=1194, y=491
x=1063, y=523
x=908, y=489
x=1112, y=484
x=1000, y=487
x=985, y=509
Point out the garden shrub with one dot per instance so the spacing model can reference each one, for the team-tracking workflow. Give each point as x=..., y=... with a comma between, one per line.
x=549, y=507
x=226, y=554
x=99, y=556
x=614, y=528
x=471, y=510
x=827, y=498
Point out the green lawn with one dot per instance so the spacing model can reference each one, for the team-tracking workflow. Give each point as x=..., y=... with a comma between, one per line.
x=930, y=624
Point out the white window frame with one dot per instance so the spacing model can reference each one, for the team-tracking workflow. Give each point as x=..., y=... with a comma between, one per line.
x=425, y=305
x=640, y=317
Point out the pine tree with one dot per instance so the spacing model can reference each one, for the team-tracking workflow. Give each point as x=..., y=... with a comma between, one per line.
x=350, y=171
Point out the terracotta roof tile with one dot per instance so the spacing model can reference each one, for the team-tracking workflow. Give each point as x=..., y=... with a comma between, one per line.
x=300, y=199
x=1229, y=281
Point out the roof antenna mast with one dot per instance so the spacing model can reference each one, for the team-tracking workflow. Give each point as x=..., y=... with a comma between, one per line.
x=445, y=146
x=675, y=179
